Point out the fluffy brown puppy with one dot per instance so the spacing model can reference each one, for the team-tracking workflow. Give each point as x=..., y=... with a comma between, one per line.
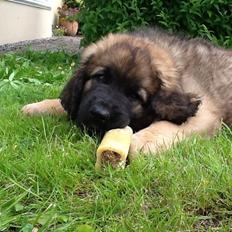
x=163, y=86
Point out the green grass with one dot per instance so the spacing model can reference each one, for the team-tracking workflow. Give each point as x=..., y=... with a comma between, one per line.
x=47, y=177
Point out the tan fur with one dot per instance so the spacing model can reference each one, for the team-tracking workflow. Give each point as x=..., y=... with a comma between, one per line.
x=88, y=85
x=48, y=106
x=161, y=60
x=162, y=135
x=190, y=66
x=143, y=94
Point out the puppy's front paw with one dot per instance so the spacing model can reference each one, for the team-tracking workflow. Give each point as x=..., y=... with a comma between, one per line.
x=142, y=142
x=45, y=107
x=32, y=109
x=147, y=143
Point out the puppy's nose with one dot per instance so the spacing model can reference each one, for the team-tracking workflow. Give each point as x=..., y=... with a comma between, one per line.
x=100, y=112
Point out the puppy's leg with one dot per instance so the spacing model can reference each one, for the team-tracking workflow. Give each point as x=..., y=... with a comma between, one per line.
x=48, y=106
x=162, y=135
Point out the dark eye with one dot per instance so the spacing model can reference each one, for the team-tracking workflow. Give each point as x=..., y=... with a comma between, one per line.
x=134, y=96
x=99, y=77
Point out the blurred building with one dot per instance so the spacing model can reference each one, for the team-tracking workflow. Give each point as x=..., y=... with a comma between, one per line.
x=27, y=19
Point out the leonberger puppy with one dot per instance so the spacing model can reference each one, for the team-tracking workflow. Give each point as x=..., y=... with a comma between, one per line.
x=165, y=87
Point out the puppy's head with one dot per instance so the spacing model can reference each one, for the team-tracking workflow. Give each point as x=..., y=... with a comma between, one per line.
x=124, y=80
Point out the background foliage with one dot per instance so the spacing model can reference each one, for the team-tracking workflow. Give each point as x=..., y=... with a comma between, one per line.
x=72, y=3
x=206, y=18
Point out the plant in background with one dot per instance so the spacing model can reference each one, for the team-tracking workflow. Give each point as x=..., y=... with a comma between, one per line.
x=68, y=13
x=68, y=19
x=10, y=80
x=58, y=31
x=210, y=19
x=72, y=3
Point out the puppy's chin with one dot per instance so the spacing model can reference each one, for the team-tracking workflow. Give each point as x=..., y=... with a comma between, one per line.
x=99, y=131
x=96, y=127
x=141, y=123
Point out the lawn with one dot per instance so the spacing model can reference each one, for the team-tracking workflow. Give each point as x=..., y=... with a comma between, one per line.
x=47, y=176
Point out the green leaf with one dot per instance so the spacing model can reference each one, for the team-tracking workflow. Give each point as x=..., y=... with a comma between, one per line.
x=34, y=81
x=85, y=228
x=63, y=218
x=45, y=218
x=27, y=228
x=18, y=207
x=7, y=70
x=11, y=77
x=18, y=82
x=14, y=85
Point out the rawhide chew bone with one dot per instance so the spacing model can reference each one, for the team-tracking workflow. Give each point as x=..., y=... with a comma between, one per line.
x=114, y=148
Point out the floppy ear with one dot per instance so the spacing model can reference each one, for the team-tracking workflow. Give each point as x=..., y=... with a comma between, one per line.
x=173, y=106
x=71, y=94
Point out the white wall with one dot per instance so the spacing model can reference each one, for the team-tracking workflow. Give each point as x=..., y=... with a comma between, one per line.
x=20, y=22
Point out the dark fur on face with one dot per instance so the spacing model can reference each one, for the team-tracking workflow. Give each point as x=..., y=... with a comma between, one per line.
x=121, y=83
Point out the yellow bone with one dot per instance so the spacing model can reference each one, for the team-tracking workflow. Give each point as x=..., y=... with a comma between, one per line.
x=114, y=147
